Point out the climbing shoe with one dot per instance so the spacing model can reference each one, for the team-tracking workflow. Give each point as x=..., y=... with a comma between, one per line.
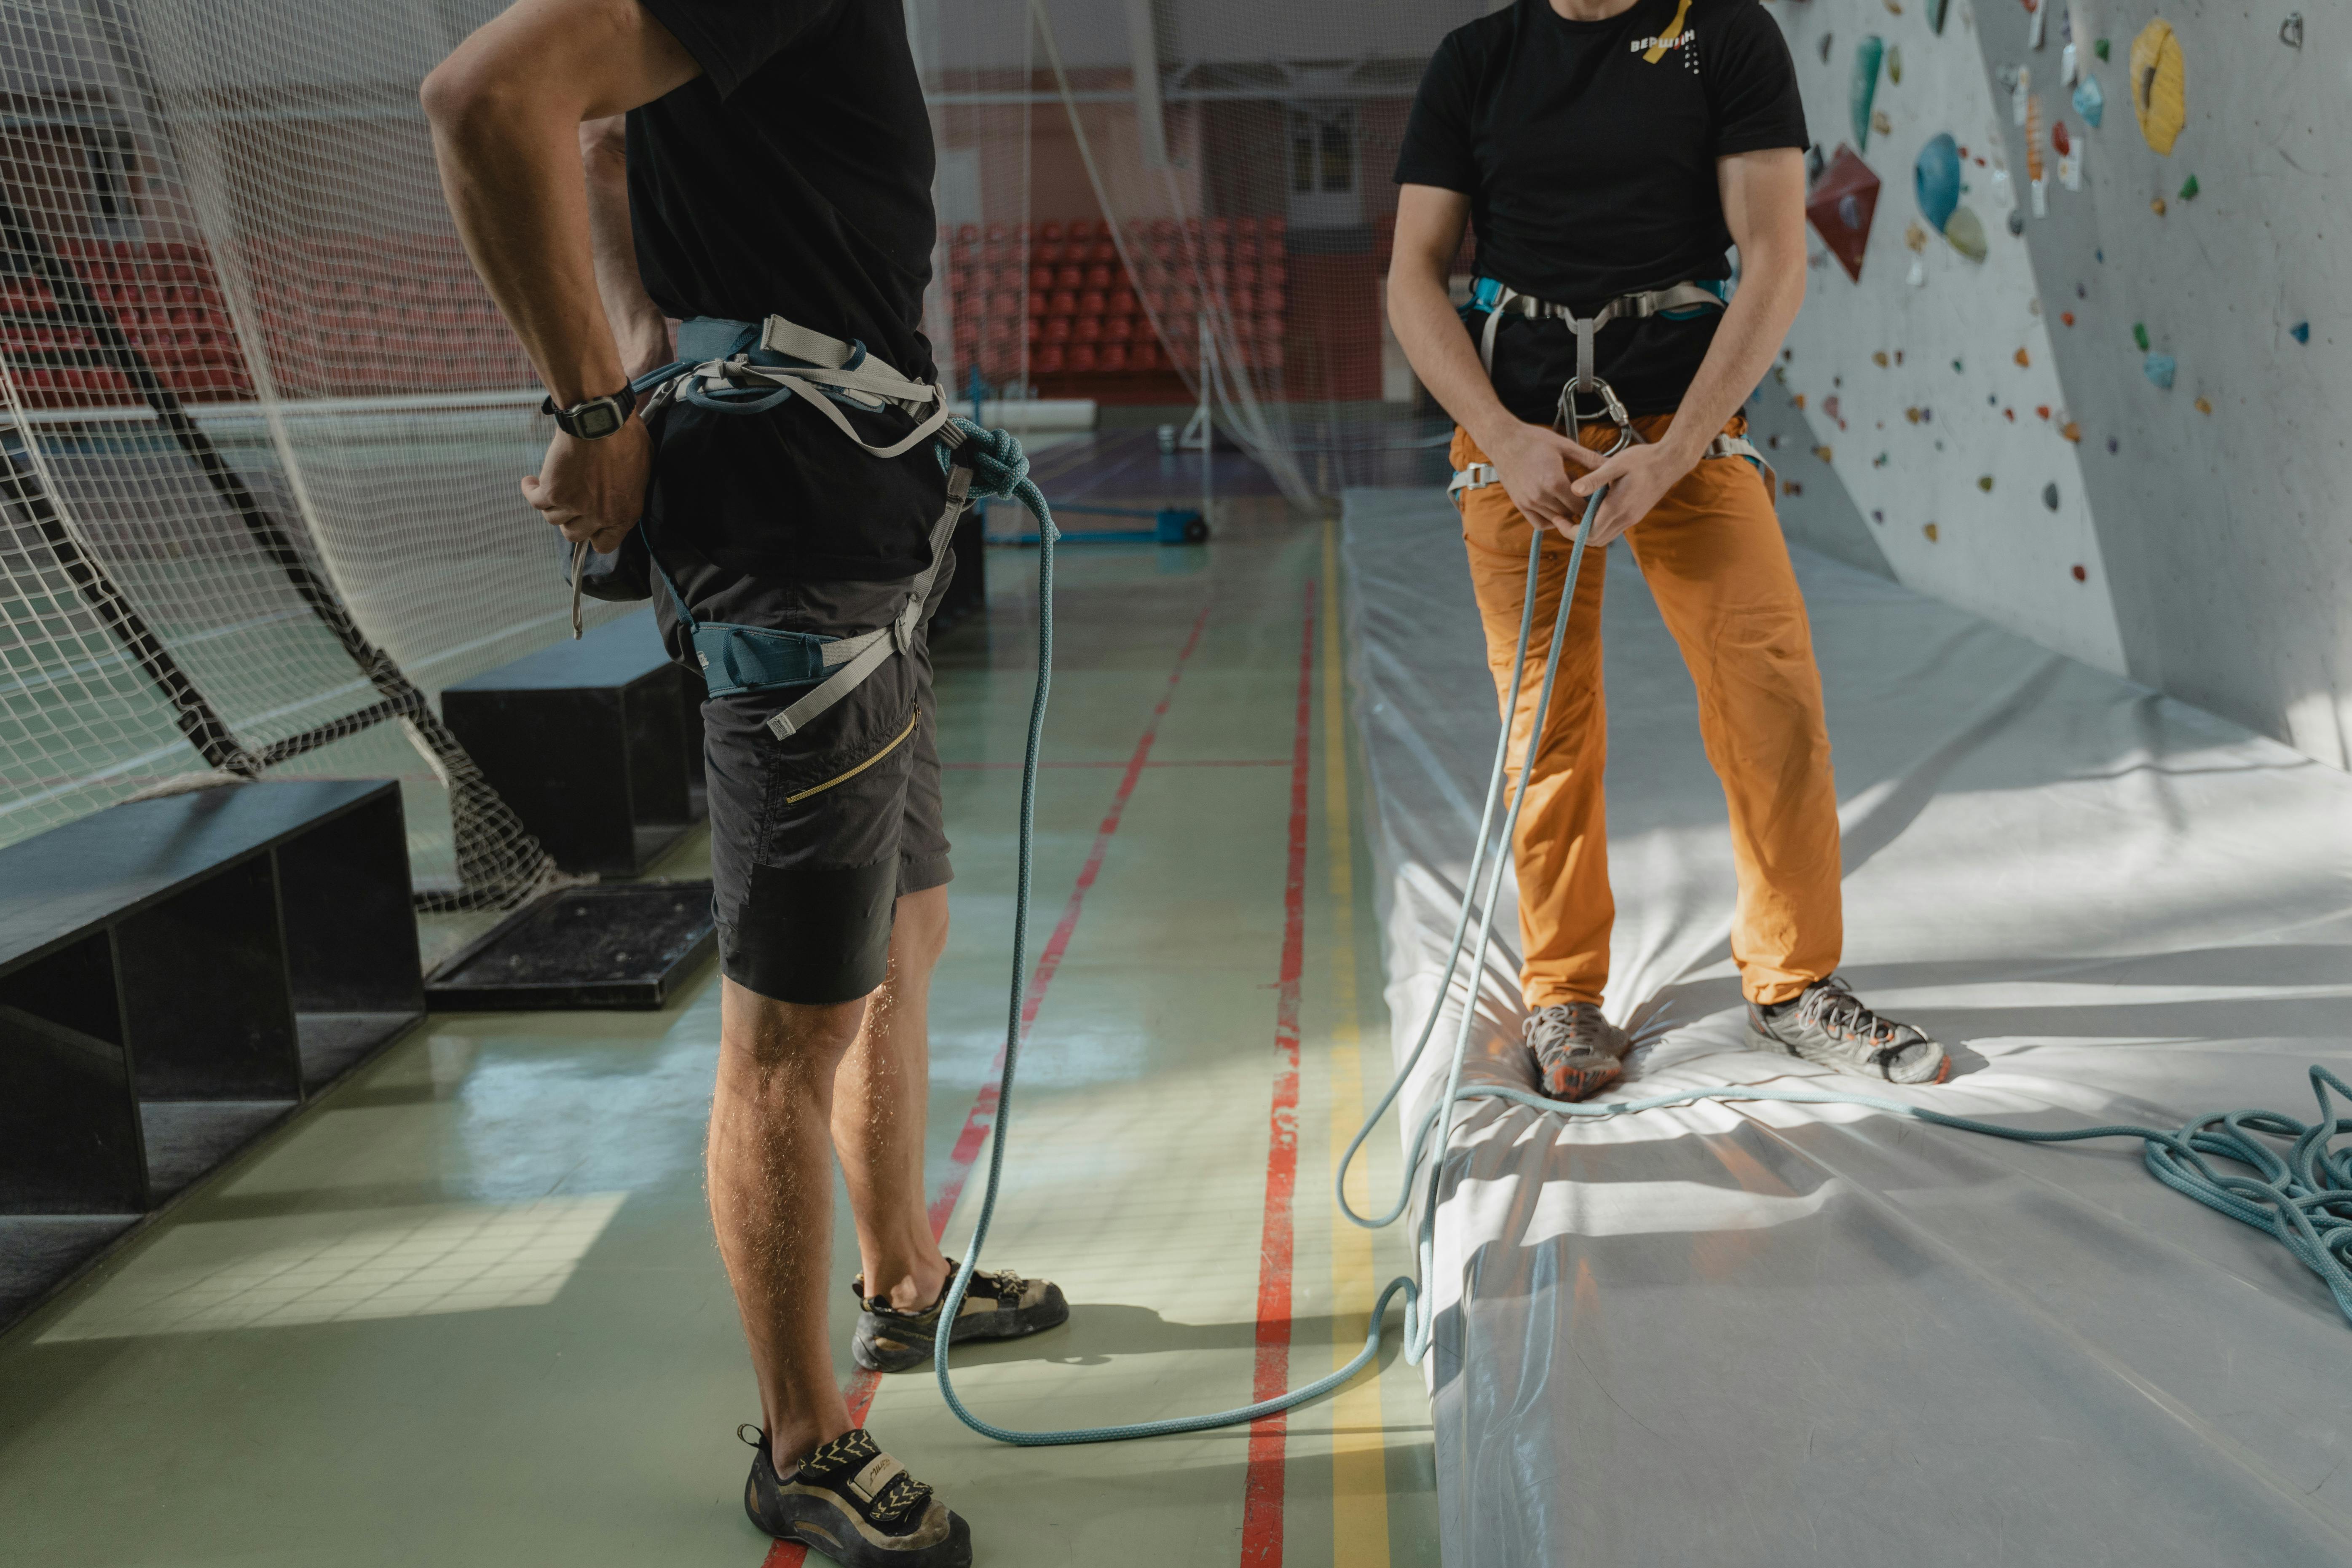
x=1828, y=1024
x=856, y=1504
x=1000, y=1305
x=1578, y=1052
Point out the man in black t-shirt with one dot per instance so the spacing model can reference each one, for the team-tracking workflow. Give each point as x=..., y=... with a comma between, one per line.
x=772, y=178
x=1609, y=152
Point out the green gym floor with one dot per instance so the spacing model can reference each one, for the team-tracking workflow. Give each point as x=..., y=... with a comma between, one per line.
x=466, y=1309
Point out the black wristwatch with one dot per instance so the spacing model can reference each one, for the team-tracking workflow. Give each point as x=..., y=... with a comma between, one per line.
x=594, y=419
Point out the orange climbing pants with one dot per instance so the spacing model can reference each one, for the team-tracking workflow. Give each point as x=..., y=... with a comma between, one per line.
x=1712, y=554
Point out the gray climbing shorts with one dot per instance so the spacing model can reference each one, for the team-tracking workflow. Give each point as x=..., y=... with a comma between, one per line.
x=815, y=837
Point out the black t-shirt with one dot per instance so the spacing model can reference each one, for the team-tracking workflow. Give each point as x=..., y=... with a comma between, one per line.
x=1590, y=170
x=792, y=178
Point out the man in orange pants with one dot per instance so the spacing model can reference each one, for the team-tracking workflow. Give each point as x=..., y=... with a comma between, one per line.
x=1608, y=151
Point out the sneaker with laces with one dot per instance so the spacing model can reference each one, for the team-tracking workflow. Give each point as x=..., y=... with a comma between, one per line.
x=1578, y=1052
x=1000, y=1305
x=1828, y=1024
x=856, y=1504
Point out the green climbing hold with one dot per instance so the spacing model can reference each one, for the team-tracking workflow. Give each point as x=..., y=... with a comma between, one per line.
x=1867, y=54
x=2100, y=48
x=1965, y=231
x=2139, y=335
x=2188, y=189
x=2300, y=332
x=1984, y=482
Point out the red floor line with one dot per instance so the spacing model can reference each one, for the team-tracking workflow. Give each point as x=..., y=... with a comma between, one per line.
x=1262, y=1492
x=860, y=1390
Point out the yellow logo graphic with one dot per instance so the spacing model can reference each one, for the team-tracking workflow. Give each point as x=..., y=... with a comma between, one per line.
x=1672, y=37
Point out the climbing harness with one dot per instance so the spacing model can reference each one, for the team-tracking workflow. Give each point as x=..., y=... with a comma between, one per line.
x=2302, y=1198
x=749, y=367
x=1681, y=302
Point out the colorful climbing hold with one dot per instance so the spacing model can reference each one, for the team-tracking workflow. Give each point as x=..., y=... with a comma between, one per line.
x=2100, y=48
x=2042, y=411
x=1822, y=453
x=2021, y=358
x=1936, y=9
x=1984, y=483
x=2290, y=30
x=1895, y=63
x=2090, y=100
x=2300, y=332
x=2204, y=407
x=1825, y=47
x=1879, y=358
x=2139, y=335
x=1936, y=180
x=2159, y=85
x=2188, y=189
x=2114, y=446
x=2072, y=431
x=2067, y=317
x=2060, y=141
x=2081, y=575
x=1881, y=124
x=2016, y=221
x=1966, y=233
x=2158, y=369
x=1840, y=207
x=1956, y=365
x=1863, y=87
x=1879, y=462
x=1930, y=532
x=2050, y=496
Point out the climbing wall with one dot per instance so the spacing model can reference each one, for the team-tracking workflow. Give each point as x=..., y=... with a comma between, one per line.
x=2110, y=416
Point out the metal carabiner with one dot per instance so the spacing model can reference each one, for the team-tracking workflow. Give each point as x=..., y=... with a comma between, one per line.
x=1569, y=419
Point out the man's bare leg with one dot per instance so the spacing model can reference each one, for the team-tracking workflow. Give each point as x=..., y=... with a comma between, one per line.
x=880, y=1095
x=794, y=1081
x=770, y=1174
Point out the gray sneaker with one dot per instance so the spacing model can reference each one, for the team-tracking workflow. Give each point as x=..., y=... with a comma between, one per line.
x=1829, y=1024
x=1000, y=1305
x=1578, y=1052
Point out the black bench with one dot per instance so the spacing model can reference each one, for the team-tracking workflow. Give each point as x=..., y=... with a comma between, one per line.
x=176, y=976
x=597, y=744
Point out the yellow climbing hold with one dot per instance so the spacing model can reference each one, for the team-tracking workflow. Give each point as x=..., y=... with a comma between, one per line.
x=1930, y=532
x=2072, y=431
x=2204, y=407
x=2159, y=85
x=1915, y=236
x=1797, y=401
x=1822, y=453
x=1879, y=359
x=2021, y=358
x=2156, y=207
x=1984, y=482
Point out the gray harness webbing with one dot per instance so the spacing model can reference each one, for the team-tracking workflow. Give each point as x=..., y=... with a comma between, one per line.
x=748, y=367
x=1625, y=308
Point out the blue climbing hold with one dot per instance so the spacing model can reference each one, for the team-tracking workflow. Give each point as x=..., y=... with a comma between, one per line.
x=2300, y=332
x=1936, y=180
x=1867, y=54
x=2158, y=369
x=2089, y=101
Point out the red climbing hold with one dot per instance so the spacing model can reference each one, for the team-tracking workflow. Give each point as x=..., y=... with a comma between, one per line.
x=2081, y=575
x=1840, y=207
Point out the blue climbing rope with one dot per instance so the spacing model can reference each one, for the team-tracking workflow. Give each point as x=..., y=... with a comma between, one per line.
x=2302, y=1197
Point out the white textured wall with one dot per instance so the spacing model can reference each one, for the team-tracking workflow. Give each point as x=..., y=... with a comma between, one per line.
x=2216, y=540
x=2000, y=553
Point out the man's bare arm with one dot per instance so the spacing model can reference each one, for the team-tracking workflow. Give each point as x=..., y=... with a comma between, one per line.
x=1532, y=460
x=506, y=109
x=1764, y=206
x=638, y=325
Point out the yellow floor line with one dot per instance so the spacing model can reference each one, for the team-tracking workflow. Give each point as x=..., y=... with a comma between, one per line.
x=1359, y=1511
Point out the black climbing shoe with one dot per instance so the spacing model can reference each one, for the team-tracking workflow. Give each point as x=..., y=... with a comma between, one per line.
x=1829, y=1024
x=998, y=1305
x=858, y=1505
x=1578, y=1052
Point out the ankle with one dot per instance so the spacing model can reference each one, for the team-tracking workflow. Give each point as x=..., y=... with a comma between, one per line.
x=910, y=1287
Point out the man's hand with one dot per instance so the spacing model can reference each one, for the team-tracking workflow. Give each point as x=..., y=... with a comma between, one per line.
x=593, y=491
x=1638, y=477
x=1534, y=463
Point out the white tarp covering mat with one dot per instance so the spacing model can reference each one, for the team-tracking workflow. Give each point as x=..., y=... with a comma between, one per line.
x=1762, y=1334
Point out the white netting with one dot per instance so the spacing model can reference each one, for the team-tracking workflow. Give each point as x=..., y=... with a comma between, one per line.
x=1118, y=176
x=264, y=425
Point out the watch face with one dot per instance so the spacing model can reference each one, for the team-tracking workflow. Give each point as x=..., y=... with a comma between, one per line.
x=597, y=419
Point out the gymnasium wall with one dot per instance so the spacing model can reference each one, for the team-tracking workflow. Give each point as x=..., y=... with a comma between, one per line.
x=2015, y=453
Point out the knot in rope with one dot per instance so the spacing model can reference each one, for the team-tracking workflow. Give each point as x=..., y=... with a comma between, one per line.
x=1000, y=469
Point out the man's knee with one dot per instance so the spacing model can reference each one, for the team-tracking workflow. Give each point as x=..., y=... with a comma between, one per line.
x=767, y=1035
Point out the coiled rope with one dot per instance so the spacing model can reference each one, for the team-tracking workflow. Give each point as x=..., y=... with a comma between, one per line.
x=2302, y=1197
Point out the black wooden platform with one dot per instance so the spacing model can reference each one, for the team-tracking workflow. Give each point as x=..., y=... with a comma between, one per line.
x=596, y=744
x=623, y=945
x=176, y=976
